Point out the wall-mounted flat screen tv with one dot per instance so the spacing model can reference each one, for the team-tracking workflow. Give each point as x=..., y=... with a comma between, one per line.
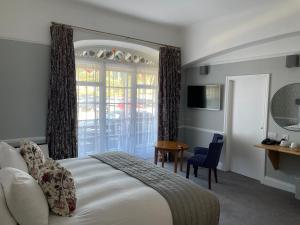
x=204, y=97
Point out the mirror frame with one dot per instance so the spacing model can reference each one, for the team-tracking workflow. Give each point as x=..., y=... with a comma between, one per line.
x=272, y=102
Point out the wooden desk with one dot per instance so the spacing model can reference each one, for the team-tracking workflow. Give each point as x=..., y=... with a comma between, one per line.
x=170, y=146
x=274, y=151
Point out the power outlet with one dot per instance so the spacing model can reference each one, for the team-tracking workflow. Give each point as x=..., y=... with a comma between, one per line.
x=285, y=136
x=272, y=135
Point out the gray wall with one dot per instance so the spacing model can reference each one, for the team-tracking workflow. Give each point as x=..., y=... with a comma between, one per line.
x=24, y=72
x=214, y=120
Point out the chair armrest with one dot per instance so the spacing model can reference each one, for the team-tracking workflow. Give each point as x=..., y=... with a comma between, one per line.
x=200, y=151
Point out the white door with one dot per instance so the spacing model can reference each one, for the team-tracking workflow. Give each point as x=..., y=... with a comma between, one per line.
x=249, y=108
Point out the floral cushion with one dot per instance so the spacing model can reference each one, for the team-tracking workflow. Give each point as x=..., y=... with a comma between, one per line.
x=59, y=188
x=33, y=156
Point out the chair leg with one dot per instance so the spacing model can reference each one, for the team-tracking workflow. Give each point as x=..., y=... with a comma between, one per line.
x=209, y=178
x=216, y=176
x=188, y=171
x=196, y=171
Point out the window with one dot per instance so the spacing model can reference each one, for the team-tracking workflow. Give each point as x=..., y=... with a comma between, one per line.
x=117, y=107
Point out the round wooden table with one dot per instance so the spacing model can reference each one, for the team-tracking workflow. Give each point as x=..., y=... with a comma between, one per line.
x=175, y=147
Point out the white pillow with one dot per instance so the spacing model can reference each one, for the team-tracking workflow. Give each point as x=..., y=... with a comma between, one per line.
x=11, y=157
x=6, y=217
x=24, y=197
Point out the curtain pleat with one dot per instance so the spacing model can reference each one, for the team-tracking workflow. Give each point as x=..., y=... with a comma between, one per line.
x=169, y=93
x=61, y=131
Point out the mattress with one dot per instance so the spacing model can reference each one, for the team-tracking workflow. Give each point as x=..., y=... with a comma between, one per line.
x=106, y=196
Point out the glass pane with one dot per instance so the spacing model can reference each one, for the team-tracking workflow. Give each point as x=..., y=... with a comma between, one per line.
x=81, y=94
x=140, y=79
x=91, y=92
x=118, y=79
x=87, y=74
x=80, y=74
x=116, y=95
x=141, y=95
x=88, y=111
x=150, y=79
x=129, y=80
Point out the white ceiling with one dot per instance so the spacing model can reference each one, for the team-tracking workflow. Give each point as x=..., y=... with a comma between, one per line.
x=181, y=12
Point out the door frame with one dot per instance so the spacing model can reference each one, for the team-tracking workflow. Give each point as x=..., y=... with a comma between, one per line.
x=228, y=112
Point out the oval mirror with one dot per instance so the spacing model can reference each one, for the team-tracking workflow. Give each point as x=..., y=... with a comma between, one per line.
x=285, y=107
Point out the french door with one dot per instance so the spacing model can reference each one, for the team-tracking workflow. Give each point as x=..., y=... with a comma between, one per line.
x=117, y=108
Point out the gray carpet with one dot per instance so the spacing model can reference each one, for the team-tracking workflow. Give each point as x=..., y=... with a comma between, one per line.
x=245, y=201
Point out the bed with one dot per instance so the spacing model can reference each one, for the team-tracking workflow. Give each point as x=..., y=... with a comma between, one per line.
x=112, y=188
x=108, y=196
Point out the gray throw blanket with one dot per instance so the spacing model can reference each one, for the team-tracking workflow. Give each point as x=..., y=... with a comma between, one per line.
x=189, y=203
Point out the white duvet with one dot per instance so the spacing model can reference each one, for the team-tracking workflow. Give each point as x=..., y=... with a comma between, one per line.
x=106, y=196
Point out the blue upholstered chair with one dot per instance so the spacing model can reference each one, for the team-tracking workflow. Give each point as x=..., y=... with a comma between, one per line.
x=203, y=151
x=207, y=158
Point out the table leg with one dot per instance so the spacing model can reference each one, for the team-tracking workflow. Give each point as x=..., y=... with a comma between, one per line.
x=181, y=159
x=163, y=158
x=155, y=156
x=175, y=163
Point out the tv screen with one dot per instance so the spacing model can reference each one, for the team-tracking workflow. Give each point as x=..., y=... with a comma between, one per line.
x=204, y=97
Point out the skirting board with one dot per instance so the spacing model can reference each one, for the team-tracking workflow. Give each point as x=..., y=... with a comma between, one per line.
x=275, y=183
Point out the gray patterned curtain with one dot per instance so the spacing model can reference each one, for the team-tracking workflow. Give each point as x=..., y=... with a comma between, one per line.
x=169, y=93
x=62, y=106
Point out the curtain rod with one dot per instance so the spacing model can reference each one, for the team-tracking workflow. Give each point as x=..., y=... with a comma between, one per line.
x=117, y=35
